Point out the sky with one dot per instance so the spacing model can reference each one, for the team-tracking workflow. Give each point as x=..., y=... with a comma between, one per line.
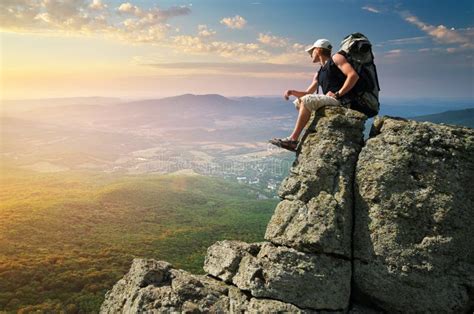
x=150, y=49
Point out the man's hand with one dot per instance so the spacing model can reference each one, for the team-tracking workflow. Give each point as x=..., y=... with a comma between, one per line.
x=287, y=94
x=331, y=94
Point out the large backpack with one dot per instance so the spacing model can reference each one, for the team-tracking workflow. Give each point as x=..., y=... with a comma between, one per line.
x=358, y=51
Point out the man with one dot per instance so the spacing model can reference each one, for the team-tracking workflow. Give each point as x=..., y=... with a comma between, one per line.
x=336, y=77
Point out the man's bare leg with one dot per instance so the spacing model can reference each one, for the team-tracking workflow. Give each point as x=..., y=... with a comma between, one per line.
x=303, y=117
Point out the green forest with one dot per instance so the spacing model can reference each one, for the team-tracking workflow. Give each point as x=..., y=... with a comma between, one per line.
x=67, y=237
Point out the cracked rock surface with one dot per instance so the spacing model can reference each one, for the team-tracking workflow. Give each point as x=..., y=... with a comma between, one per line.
x=384, y=226
x=414, y=217
x=316, y=214
x=314, y=281
x=156, y=287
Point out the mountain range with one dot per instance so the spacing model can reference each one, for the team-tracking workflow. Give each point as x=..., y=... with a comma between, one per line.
x=464, y=117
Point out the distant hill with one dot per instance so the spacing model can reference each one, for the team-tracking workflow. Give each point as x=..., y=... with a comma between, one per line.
x=408, y=108
x=179, y=111
x=211, y=106
x=463, y=117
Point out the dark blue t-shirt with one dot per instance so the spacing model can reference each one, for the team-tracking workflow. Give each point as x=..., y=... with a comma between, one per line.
x=331, y=78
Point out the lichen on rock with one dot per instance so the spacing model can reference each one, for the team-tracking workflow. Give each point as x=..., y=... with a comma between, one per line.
x=414, y=217
x=316, y=213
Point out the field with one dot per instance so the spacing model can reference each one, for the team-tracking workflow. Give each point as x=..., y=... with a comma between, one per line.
x=67, y=237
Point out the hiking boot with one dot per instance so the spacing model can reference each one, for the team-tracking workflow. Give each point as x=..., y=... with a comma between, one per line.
x=286, y=143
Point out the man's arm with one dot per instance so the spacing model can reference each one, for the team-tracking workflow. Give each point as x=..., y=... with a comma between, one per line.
x=310, y=90
x=349, y=72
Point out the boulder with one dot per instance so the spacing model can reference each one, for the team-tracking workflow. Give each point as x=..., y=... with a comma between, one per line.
x=223, y=258
x=315, y=281
x=156, y=287
x=315, y=215
x=152, y=286
x=306, y=280
x=414, y=218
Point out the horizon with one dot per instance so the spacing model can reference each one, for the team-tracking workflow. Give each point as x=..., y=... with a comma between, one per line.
x=148, y=50
x=131, y=99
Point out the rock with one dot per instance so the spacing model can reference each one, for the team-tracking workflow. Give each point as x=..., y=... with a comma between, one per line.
x=281, y=273
x=223, y=258
x=142, y=290
x=141, y=274
x=306, y=280
x=360, y=309
x=272, y=306
x=316, y=213
x=414, y=218
x=155, y=286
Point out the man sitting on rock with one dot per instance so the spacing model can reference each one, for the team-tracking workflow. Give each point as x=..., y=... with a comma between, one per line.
x=336, y=77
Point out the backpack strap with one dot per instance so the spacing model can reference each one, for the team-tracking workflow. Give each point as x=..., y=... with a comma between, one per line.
x=342, y=52
x=347, y=56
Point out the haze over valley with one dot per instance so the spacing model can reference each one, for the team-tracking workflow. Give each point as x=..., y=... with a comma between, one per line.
x=208, y=134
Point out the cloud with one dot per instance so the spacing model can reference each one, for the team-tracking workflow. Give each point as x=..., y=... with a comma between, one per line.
x=63, y=9
x=229, y=50
x=267, y=49
x=395, y=53
x=152, y=34
x=136, y=24
x=204, y=31
x=424, y=49
x=153, y=15
x=236, y=22
x=35, y=16
x=242, y=69
x=403, y=41
x=145, y=25
x=272, y=41
x=449, y=50
x=127, y=23
x=129, y=8
x=97, y=5
x=371, y=9
x=407, y=41
x=441, y=34
x=231, y=67
x=72, y=16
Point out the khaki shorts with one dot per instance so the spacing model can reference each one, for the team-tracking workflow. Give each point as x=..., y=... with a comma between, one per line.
x=313, y=102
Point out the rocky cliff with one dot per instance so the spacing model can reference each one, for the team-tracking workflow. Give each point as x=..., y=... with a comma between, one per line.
x=380, y=226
